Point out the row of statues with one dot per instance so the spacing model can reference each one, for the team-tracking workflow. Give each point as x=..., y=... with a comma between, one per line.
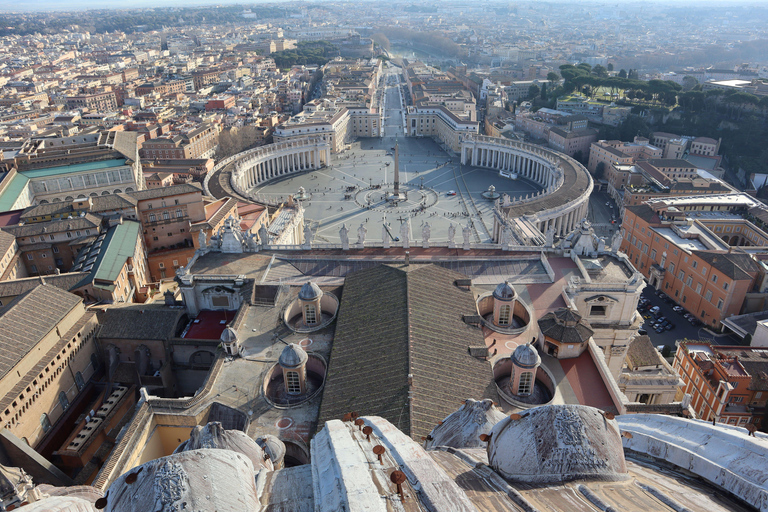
x=405, y=235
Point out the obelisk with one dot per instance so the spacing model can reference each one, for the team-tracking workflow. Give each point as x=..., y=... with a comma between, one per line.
x=396, y=193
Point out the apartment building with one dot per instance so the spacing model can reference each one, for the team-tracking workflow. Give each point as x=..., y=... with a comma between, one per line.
x=719, y=385
x=99, y=101
x=609, y=152
x=689, y=262
x=200, y=143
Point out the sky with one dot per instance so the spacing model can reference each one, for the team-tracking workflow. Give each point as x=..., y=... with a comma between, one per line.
x=73, y=5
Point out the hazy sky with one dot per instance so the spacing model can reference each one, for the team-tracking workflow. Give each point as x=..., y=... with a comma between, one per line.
x=71, y=5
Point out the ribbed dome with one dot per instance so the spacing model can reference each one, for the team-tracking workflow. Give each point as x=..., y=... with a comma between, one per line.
x=293, y=356
x=557, y=443
x=504, y=291
x=310, y=291
x=526, y=356
x=229, y=335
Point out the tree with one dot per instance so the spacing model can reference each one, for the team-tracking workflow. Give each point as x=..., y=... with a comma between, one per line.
x=689, y=82
x=622, y=73
x=381, y=40
x=552, y=76
x=533, y=91
x=610, y=66
x=579, y=155
x=600, y=171
x=633, y=74
x=544, y=91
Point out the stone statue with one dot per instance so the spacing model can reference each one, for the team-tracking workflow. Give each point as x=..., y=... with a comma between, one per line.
x=466, y=232
x=361, y=232
x=404, y=234
x=550, y=234
x=451, y=235
x=426, y=231
x=616, y=242
x=263, y=237
x=307, y=237
x=384, y=233
x=344, y=235
x=202, y=239
x=252, y=242
x=600, y=245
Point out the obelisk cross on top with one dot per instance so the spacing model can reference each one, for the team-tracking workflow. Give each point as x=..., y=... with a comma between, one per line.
x=397, y=170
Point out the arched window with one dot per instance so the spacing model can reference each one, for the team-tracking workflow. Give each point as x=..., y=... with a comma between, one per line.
x=310, y=316
x=526, y=384
x=79, y=381
x=166, y=215
x=45, y=423
x=63, y=400
x=505, y=314
x=294, y=383
x=179, y=214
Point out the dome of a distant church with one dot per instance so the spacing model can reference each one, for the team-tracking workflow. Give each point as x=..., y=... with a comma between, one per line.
x=229, y=341
x=557, y=443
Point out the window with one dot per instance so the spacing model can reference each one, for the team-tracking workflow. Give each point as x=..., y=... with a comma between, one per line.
x=695, y=264
x=63, y=401
x=714, y=278
x=725, y=286
x=704, y=271
x=161, y=265
x=698, y=287
x=504, y=314
x=45, y=423
x=294, y=383
x=681, y=275
x=310, y=314
x=179, y=214
x=151, y=217
x=79, y=381
x=166, y=215
x=689, y=281
x=55, y=250
x=526, y=383
x=597, y=310
x=30, y=256
x=653, y=254
x=719, y=303
x=672, y=268
x=708, y=296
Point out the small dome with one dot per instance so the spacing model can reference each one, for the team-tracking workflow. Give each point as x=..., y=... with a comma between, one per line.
x=526, y=356
x=293, y=356
x=273, y=447
x=557, y=443
x=213, y=435
x=229, y=335
x=310, y=291
x=463, y=428
x=504, y=291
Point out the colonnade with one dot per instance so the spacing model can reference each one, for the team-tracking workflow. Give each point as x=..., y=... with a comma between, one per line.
x=560, y=176
x=274, y=160
x=511, y=159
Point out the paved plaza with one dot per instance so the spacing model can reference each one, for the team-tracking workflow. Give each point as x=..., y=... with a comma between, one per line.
x=352, y=190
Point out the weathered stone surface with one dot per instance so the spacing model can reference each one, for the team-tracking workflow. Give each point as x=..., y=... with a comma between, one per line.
x=557, y=443
x=206, y=479
x=213, y=435
x=463, y=428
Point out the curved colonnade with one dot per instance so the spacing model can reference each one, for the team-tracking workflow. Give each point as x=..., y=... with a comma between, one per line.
x=264, y=163
x=567, y=184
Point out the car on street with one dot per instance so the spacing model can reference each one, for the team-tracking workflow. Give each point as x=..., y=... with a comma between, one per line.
x=677, y=309
x=642, y=332
x=451, y=193
x=655, y=309
x=608, y=203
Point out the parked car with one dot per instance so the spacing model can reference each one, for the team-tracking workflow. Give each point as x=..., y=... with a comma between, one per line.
x=655, y=309
x=659, y=329
x=642, y=332
x=677, y=309
x=670, y=326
